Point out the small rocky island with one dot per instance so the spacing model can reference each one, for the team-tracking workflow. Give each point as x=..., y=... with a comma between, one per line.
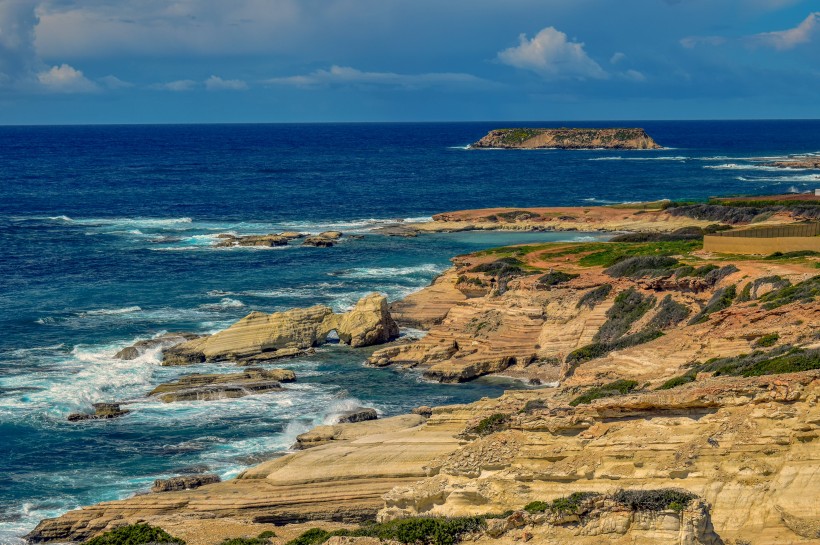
x=566, y=138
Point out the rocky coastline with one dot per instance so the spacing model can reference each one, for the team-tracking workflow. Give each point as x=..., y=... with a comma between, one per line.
x=682, y=405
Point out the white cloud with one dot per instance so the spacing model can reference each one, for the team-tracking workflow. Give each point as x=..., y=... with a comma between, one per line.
x=113, y=82
x=550, y=54
x=65, y=79
x=348, y=75
x=788, y=39
x=215, y=83
x=177, y=86
x=633, y=75
x=617, y=57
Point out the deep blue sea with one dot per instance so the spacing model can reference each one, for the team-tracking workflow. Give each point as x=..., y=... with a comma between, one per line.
x=107, y=233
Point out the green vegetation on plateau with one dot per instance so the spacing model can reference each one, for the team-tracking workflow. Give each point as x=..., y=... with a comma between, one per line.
x=135, y=534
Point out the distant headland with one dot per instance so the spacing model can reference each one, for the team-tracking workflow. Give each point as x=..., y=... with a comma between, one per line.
x=566, y=138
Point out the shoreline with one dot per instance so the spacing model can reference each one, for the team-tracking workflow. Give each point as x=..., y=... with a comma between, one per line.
x=251, y=474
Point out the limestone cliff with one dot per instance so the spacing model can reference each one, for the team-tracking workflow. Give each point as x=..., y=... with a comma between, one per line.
x=566, y=138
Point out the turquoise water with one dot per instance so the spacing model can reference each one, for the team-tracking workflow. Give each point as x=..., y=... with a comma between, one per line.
x=107, y=233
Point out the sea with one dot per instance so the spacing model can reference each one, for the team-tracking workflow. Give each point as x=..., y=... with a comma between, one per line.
x=107, y=237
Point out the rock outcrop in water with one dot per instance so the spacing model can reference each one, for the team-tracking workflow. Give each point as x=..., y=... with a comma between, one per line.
x=185, y=482
x=566, y=138
x=102, y=411
x=260, y=336
x=163, y=341
x=221, y=386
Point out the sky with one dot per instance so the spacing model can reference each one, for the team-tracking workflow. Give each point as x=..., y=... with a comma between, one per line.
x=246, y=61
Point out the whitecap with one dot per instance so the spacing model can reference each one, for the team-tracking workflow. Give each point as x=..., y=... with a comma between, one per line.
x=621, y=158
x=781, y=179
x=387, y=272
x=109, y=311
x=739, y=166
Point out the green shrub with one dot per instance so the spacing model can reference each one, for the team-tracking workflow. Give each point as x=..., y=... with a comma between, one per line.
x=670, y=313
x=677, y=381
x=629, y=306
x=571, y=503
x=640, y=266
x=784, y=359
x=610, y=253
x=491, y=424
x=594, y=296
x=720, y=300
x=767, y=340
x=553, y=278
x=135, y=534
x=655, y=500
x=804, y=292
x=536, y=507
x=598, y=350
x=314, y=536
x=619, y=387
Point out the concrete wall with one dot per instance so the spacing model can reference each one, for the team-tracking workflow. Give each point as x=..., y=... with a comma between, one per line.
x=759, y=246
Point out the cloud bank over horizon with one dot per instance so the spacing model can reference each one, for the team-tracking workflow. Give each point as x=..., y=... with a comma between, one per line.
x=98, y=61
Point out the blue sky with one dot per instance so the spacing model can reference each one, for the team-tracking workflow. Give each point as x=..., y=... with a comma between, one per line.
x=154, y=61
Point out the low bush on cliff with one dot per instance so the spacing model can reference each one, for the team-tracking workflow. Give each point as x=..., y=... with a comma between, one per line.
x=491, y=424
x=677, y=381
x=594, y=296
x=684, y=233
x=619, y=387
x=670, y=313
x=720, y=300
x=767, y=340
x=417, y=531
x=629, y=306
x=784, y=359
x=135, y=534
x=642, y=265
x=599, y=350
x=655, y=500
x=565, y=504
x=751, y=289
x=553, y=278
x=804, y=292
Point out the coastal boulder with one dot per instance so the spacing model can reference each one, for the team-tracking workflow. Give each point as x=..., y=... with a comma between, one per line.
x=259, y=336
x=163, y=341
x=369, y=323
x=102, y=411
x=323, y=240
x=360, y=414
x=267, y=241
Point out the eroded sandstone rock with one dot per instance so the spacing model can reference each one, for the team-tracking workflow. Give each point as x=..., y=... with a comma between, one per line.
x=259, y=336
x=163, y=341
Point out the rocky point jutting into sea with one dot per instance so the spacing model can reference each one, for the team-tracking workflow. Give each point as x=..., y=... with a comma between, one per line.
x=674, y=400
